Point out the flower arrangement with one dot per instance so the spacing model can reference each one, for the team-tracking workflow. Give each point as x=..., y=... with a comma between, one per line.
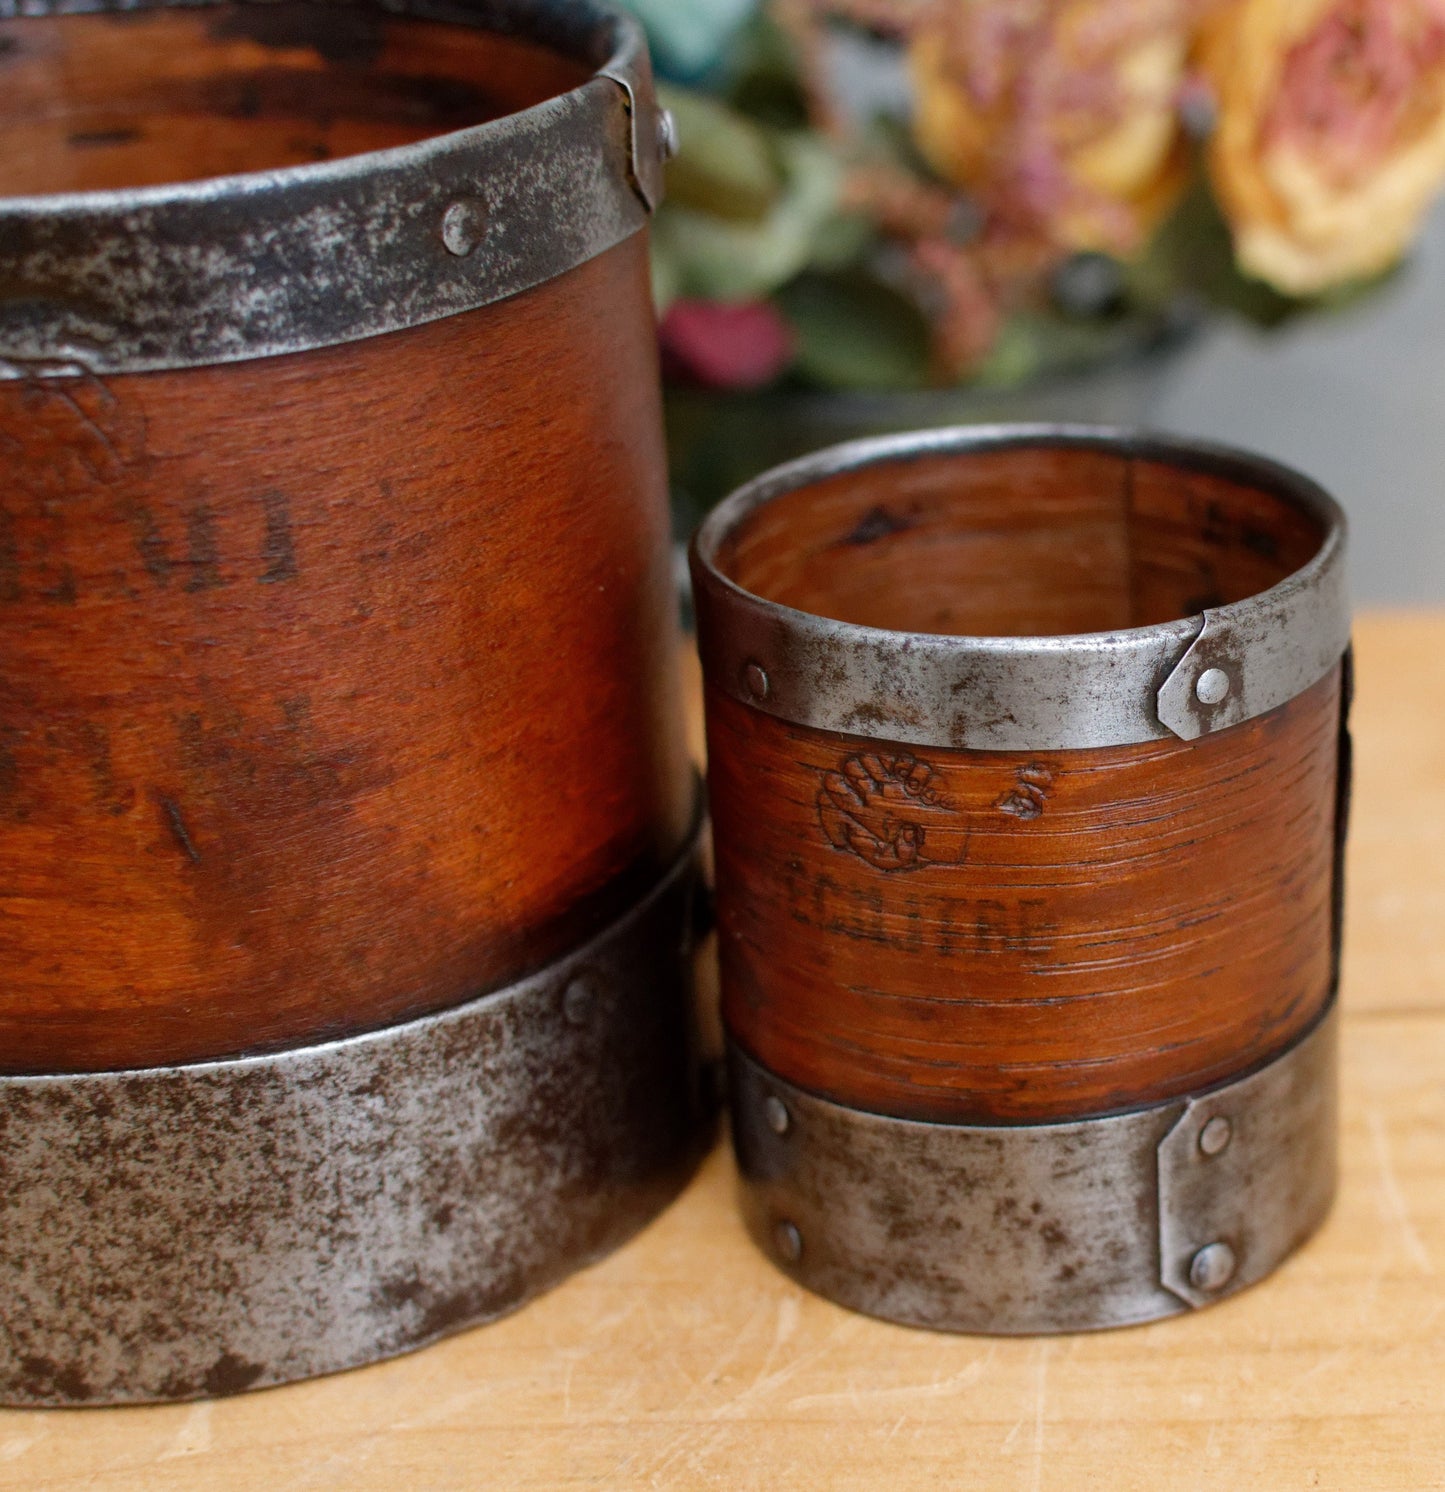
x=903, y=194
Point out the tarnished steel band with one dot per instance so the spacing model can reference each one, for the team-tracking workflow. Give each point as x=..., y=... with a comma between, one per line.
x=1040, y=1228
x=308, y=256
x=1023, y=693
x=182, y=1232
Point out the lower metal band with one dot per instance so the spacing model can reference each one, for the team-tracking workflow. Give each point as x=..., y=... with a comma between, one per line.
x=174, y=1233
x=1040, y=1228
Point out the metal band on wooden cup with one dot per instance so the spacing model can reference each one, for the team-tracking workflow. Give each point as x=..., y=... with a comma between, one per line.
x=340, y=702
x=1029, y=774
x=427, y=221
x=181, y=1232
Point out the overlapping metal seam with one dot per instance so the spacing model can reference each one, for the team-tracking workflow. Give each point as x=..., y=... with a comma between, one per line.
x=1022, y=693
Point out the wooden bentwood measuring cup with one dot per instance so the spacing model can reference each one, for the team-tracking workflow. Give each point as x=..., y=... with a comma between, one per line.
x=346, y=824
x=1028, y=772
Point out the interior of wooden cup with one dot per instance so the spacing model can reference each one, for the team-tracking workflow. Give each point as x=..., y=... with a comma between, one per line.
x=145, y=98
x=1019, y=541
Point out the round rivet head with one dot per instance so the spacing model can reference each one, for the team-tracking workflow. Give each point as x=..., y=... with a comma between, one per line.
x=1212, y=1267
x=777, y=1115
x=464, y=224
x=667, y=136
x=1211, y=686
x=756, y=681
x=1215, y=1136
x=788, y=1242
x=578, y=999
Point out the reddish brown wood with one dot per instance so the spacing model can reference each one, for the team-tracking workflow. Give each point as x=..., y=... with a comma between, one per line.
x=1016, y=542
x=156, y=96
x=334, y=688
x=999, y=936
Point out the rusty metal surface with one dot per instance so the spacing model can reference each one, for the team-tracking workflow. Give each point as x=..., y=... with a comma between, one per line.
x=1263, y=648
x=183, y=1232
x=652, y=129
x=1023, y=693
x=307, y=256
x=1040, y=1228
x=1264, y=1184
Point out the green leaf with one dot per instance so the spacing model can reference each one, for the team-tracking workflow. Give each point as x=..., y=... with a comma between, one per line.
x=856, y=333
x=1036, y=344
x=1016, y=357
x=842, y=241
x=725, y=165
x=724, y=259
x=763, y=67
x=1194, y=252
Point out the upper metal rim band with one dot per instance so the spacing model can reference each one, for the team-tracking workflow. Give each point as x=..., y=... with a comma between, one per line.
x=1012, y=1229
x=308, y=256
x=1024, y=693
x=180, y=1232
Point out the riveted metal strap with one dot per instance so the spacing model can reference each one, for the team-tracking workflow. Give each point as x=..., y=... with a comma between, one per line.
x=1259, y=653
x=309, y=256
x=1040, y=1228
x=183, y=1232
x=652, y=132
x=1023, y=693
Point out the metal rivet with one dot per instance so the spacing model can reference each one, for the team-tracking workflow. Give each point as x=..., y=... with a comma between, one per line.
x=1212, y=1267
x=1211, y=686
x=777, y=1112
x=578, y=999
x=667, y=138
x=464, y=224
x=1216, y=1135
x=789, y=1242
x=756, y=681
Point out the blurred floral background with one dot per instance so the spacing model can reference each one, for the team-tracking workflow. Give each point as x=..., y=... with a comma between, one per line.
x=888, y=213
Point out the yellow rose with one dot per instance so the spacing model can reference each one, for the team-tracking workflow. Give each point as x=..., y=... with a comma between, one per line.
x=1330, y=142
x=1060, y=115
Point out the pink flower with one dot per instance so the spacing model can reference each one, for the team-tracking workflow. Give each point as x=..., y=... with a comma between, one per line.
x=1061, y=116
x=743, y=346
x=1330, y=143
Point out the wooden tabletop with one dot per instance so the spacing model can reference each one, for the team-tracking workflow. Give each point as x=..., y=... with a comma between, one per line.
x=687, y=1361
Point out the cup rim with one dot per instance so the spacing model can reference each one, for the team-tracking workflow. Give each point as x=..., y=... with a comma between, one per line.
x=291, y=258
x=1051, y=691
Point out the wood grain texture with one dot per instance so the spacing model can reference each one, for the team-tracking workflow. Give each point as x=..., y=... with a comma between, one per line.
x=1017, y=541
x=687, y=1362
x=334, y=688
x=991, y=936
x=141, y=99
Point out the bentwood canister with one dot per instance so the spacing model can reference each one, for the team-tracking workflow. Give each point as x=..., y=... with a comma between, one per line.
x=1029, y=775
x=347, y=830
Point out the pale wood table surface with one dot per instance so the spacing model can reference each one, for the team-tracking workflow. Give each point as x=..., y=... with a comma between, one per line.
x=686, y=1360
